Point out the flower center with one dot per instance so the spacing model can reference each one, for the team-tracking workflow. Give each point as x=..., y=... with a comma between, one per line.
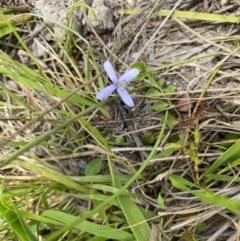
x=122, y=85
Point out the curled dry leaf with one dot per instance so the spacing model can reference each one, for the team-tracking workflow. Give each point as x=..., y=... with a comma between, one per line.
x=184, y=105
x=161, y=176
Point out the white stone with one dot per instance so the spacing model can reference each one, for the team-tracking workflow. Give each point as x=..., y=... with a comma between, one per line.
x=102, y=19
x=55, y=14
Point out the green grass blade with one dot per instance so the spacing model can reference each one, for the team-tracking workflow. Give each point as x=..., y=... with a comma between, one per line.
x=5, y=31
x=233, y=150
x=6, y=20
x=135, y=218
x=44, y=136
x=192, y=15
x=223, y=178
x=96, y=135
x=54, y=176
x=16, y=222
x=122, y=189
x=200, y=16
x=204, y=194
x=87, y=226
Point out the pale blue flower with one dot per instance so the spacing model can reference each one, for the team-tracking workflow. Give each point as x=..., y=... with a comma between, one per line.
x=118, y=84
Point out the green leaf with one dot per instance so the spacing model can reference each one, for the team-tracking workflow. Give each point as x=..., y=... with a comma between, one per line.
x=161, y=82
x=95, y=134
x=46, y=172
x=199, y=16
x=223, y=178
x=152, y=92
x=150, y=76
x=148, y=139
x=201, y=226
x=15, y=220
x=5, y=31
x=232, y=151
x=119, y=140
x=135, y=218
x=217, y=199
x=171, y=121
x=25, y=227
x=192, y=15
x=160, y=105
x=160, y=201
x=141, y=65
x=170, y=90
x=141, y=76
x=93, y=167
x=205, y=194
x=169, y=149
x=98, y=230
x=181, y=183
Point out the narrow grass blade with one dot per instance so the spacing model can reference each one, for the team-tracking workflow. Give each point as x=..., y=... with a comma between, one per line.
x=122, y=189
x=87, y=226
x=5, y=31
x=15, y=220
x=99, y=178
x=223, y=178
x=204, y=194
x=135, y=218
x=192, y=15
x=95, y=134
x=200, y=16
x=233, y=150
x=6, y=20
x=54, y=176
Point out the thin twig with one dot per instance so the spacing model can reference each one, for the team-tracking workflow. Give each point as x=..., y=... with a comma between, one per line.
x=131, y=128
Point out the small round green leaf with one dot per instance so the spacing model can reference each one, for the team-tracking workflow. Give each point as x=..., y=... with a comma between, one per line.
x=160, y=105
x=171, y=121
x=148, y=139
x=152, y=92
x=141, y=65
x=161, y=82
x=119, y=140
x=170, y=90
x=141, y=76
x=201, y=226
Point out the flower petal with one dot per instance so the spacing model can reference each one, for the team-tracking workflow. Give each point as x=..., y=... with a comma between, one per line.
x=127, y=99
x=129, y=75
x=102, y=94
x=110, y=72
